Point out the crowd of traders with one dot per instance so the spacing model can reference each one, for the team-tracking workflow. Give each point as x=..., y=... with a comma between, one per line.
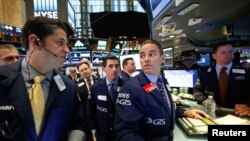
x=86, y=107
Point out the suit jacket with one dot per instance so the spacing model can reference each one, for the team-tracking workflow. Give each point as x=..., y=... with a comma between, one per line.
x=100, y=108
x=124, y=76
x=62, y=112
x=142, y=113
x=238, y=86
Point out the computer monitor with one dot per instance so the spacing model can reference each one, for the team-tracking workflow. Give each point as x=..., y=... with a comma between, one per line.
x=157, y=6
x=101, y=45
x=204, y=61
x=77, y=56
x=97, y=57
x=181, y=78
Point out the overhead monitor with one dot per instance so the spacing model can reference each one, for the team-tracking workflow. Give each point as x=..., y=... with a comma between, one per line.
x=181, y=78
x=77, y=56
x=135, y=57
x=67, y=59
x=157, y=6
x=168, y=63
x=97, y=57
x=101, y=45
x=204, y=61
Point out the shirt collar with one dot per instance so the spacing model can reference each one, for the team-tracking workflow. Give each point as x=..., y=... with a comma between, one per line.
x=29, y=73
x=114, y=81
x=152, y=78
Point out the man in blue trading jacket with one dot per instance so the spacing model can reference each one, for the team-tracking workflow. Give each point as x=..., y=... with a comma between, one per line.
x=144, y=109
x=56, y=115
x=100, y=105
x=237, y=89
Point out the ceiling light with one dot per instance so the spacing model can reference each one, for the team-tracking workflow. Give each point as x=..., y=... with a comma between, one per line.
x=187, y=9
x=194, y=21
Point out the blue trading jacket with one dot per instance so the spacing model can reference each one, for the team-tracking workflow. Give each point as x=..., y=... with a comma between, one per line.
x=62, y=113
x=100, y=108
x=141, y=115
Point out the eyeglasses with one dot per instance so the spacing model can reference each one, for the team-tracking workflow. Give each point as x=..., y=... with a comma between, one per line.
x=10, y=58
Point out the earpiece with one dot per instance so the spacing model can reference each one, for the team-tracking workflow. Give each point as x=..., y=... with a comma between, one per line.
x=38, y=42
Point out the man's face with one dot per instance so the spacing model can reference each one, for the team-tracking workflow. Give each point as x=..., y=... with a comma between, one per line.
x=224, y=55
x=84, y=71
x=56, y=43
x=8, y=56
x=130, y=66
x=151, y=59
x=111, y=69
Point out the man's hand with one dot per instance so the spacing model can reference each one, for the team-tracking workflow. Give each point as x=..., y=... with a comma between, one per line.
x=195, y=113
x=242, y=110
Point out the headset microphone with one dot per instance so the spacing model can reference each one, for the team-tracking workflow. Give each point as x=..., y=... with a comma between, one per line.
x=50, y=52
x=38, y=40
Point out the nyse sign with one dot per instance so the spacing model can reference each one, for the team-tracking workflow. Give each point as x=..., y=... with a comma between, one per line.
x=49, y=14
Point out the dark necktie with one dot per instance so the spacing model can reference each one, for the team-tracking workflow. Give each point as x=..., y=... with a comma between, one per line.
x=223, y=84
x=89, y=83
x=162, y=91
x=112, y=91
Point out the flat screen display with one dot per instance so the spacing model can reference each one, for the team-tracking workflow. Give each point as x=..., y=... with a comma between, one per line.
x=97, y=57
x=77, y=56
x=204, y=61
x=181, y=78
x=101, y=45
x=157, y=6
x=135, y=57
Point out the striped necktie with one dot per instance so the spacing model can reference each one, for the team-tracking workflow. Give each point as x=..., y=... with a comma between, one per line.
x=163, y=92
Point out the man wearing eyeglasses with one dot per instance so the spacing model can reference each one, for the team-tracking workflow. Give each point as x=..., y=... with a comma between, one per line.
x=8, y=54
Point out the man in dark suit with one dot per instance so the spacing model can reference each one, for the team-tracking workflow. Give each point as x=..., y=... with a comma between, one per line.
x=238, y=80
x=73, y=75
x=100, y=105
x=129, y=67
x=84, y=86
x=45, y=41
x=144, y=109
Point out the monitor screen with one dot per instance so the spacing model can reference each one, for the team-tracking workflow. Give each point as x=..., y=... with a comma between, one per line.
x=77, y=56
x=136, y=59
x=97, y=57
x=204, y=61
x=168, y=63
x=101, y=45
x=67, y=59
x=181, y=78
x=157, y=6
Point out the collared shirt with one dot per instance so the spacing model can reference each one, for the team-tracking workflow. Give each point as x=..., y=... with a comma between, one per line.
x=91, y=81
x=152, y=78
x=29, y=73
x=218, y=69
x=109, y=82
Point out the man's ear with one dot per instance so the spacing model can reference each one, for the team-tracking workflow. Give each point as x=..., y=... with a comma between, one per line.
x=34, y=40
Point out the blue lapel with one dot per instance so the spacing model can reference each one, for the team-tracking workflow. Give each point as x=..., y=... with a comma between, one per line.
x=156, y=93
x=19, y=97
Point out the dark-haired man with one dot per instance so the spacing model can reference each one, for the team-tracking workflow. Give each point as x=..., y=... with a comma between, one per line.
x=100, y=105
x=38, y=102
x=129, y=67
x=144, y=109
x=227, y=81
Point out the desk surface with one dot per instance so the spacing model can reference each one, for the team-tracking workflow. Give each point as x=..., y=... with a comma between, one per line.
x=180, y=135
